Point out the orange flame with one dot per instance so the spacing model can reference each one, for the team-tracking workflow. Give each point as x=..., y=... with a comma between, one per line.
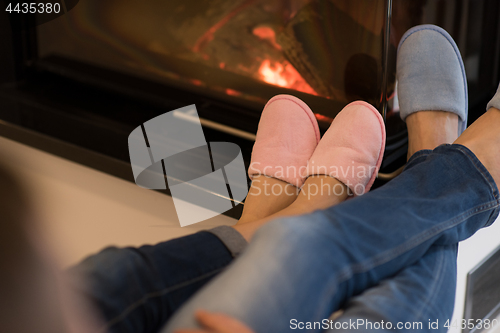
x=266, y=33
x=284, y=75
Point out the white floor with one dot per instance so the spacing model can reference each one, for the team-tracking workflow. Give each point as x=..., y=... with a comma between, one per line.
x=83, y=210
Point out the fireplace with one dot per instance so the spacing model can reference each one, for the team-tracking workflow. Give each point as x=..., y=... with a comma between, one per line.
x=92, y=75
x=246, y=49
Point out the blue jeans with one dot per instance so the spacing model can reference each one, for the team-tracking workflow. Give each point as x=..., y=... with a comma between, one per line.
x=302, y=269
x=418, y=296
x=136, y=290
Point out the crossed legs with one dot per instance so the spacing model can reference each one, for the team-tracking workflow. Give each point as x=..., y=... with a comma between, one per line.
x=306, y=267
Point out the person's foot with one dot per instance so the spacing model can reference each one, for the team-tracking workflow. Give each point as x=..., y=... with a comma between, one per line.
x=347, y=159
x=352, y=148
x=483, y=139
x=287, y=135
x=266, y=197
x=286, y=138
x=432, y=87
x=429, y=129
x=318, y=192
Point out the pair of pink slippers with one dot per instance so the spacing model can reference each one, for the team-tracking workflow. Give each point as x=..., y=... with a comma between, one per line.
x=288, y=145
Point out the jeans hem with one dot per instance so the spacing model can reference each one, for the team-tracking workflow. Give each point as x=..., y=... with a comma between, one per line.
x=486, y=176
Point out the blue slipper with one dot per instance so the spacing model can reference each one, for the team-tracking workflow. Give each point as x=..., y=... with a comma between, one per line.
x=431, y=74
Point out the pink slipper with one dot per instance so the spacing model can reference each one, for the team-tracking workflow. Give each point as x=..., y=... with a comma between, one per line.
x=352, y=148
x=287, y=136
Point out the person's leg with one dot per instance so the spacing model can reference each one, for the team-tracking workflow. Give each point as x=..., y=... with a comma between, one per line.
x=429, y=129
x=424, y=291
x=344, y=163
x=318, y=192
x=482, y=135
x=137, y=289
x=420, y=298
x=306, y=267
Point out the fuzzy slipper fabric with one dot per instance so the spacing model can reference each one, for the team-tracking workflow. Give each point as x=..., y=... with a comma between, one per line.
x=352, y=148
x=495, y=101
x=431, y=74
x=286, y=138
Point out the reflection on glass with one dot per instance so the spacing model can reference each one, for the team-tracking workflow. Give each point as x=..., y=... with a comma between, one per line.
x=330, y=48
x=327, y=52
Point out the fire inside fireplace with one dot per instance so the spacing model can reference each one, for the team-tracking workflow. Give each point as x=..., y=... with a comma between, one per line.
x=283, y=74
x=327, y=52
x=118, y=63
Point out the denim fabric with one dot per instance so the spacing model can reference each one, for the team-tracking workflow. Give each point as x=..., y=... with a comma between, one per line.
x=136, y=290
x=304, y=268
x=423, y=294
x=418, y=299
